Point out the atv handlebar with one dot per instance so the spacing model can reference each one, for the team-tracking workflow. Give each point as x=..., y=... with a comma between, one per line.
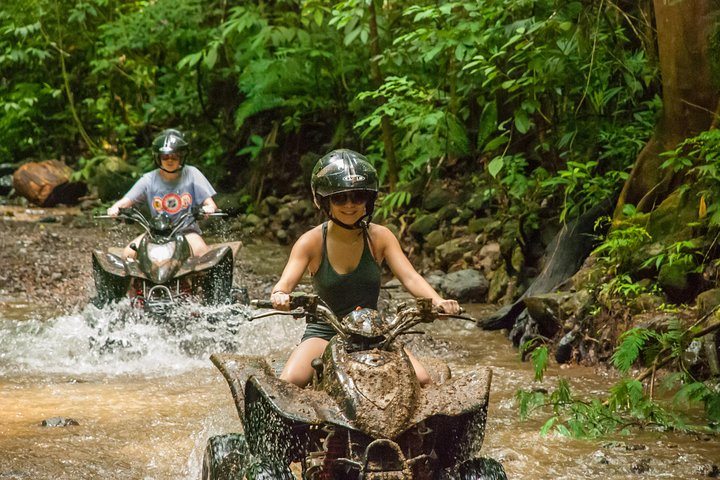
x=310, y=306
x=135, y=215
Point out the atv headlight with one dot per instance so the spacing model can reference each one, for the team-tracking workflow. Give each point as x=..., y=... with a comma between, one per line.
x=158, y=253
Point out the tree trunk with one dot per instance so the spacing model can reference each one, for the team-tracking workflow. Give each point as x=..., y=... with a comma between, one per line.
x=689, y=97
x=47, y=183
x=378, y=81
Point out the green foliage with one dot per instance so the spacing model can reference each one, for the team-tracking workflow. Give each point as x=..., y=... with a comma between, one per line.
x=424, y=132
x=539, y=357
x=683, y=252
x=620, y=245
x=393, y=201
x=553, y=100
x=632, y=342
x=628, y=404
x=699, y=157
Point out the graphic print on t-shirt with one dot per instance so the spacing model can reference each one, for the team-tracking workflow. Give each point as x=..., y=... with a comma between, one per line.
x=172, y=202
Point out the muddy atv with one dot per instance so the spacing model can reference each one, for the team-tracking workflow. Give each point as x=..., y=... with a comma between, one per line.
x=364, y=416
x=164, y=272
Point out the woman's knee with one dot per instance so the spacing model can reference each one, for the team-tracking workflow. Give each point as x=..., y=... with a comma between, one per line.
x=298, y=369
x=420, y=371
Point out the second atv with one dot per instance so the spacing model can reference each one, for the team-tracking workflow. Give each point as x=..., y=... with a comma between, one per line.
x=164, y=272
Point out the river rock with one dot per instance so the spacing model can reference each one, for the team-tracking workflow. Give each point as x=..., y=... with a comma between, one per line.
x=707, y=301
x=550, y=310
x=448, y=213
x=436, y=279
x=284, y=214
x=564, y=348
x=453, y=250
x=59, y=422
x=490, y=257
x=678, y=282
x=252, y=219
x=466, y=286
x=646, y=302
x=433, y=240
x=498, y=284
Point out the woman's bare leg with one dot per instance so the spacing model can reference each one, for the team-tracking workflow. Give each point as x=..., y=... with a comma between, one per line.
x=422, y=373
x=298, y=369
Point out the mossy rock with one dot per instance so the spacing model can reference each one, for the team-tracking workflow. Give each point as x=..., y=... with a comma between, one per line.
x=437, y=198
x=113, y=177
x=423, y=225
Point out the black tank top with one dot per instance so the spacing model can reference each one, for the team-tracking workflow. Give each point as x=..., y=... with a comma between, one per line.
x=344, y=292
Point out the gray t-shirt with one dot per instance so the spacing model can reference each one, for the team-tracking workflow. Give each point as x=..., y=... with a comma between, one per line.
x=190, y=189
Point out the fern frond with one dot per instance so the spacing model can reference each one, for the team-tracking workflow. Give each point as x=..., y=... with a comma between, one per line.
x=629, y=350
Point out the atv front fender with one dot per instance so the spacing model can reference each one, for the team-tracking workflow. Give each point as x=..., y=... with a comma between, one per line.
x=457, y=410
x=109, y=262
x=296, y=404
x=216, y=253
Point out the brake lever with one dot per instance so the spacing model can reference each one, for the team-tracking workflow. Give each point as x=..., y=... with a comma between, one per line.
x=461, y=317
x=297, y=313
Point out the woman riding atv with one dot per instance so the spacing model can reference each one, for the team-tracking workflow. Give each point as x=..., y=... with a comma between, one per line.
x=344, y=257
x=172, y=188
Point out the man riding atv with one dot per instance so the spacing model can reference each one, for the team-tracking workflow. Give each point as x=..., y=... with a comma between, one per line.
x=171, y=188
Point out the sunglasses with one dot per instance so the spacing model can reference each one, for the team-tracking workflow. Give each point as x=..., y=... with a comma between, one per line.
x=354, y=196
x=169, y=156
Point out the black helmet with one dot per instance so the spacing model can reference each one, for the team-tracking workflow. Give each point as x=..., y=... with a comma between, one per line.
x=170, y=141
x=342, y=171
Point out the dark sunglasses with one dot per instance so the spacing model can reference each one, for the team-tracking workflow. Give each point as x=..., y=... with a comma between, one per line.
x=354, y=196
x=169, y=156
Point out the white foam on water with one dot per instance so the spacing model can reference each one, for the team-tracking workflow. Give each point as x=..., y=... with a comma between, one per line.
x=118, y=340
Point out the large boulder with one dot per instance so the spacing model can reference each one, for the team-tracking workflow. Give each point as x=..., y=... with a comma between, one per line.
x=466, y=286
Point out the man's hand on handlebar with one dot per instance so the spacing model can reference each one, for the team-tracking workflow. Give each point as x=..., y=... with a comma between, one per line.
x=113, y=211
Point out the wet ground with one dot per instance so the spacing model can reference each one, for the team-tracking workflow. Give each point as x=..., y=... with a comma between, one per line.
x=146, y=399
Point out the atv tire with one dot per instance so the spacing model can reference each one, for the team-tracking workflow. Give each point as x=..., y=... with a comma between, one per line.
x=265, y=470
x=108, y=288
x=476, y=469
x=226, y=457
x=217, y=285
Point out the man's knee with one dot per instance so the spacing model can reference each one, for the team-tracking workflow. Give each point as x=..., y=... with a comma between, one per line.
x=197, y=244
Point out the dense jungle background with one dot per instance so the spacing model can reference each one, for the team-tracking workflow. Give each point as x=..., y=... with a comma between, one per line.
x=565, y=150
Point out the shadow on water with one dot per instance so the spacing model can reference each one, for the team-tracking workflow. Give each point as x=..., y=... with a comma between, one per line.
x=146, y=398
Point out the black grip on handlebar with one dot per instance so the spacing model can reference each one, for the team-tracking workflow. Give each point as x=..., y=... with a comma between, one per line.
x=261, y=304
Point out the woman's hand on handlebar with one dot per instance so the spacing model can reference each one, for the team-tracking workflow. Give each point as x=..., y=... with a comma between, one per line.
x=451, y=307
x=280, y=300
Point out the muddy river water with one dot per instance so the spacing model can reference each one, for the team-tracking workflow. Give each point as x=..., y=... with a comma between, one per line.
x=146, y=399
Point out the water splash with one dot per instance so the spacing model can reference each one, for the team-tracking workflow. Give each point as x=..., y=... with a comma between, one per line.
x=118, y=340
